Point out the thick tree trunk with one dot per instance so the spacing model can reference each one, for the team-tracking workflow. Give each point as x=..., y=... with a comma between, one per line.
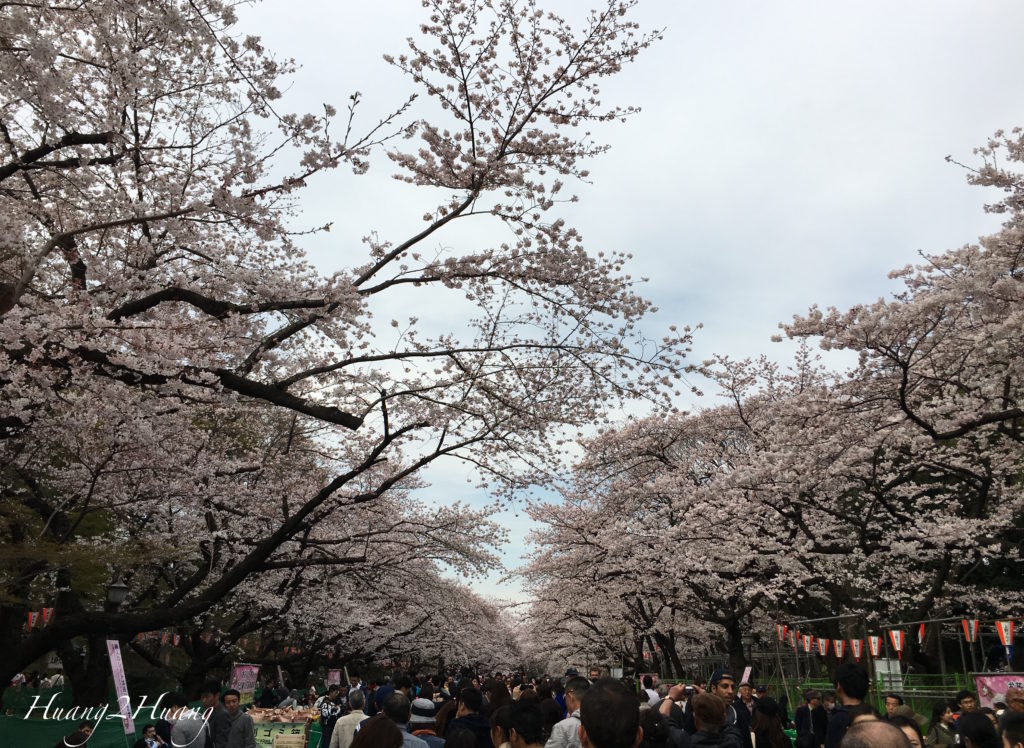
x=676, y=662
x=734, y=646
x=638, y=657
x=673, y=667
x=88, y=675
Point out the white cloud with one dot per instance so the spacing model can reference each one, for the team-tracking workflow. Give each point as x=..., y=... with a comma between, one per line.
x=787, y=152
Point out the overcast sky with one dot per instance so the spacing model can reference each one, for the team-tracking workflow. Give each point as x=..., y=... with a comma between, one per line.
x=787, y=153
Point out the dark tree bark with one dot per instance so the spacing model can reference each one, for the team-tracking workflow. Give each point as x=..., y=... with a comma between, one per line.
x=734, y=646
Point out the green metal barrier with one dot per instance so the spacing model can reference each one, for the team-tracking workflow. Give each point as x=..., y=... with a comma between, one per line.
x=16, y=732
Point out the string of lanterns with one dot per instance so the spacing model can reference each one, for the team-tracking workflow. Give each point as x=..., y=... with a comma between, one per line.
x=897, y=638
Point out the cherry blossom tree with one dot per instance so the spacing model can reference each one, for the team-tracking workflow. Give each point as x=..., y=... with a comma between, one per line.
x=891, y=491
x=177, y=377
x=659, y=531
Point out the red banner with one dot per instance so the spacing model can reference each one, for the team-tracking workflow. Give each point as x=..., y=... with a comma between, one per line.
x=920, y=634
x=781, y=631
x=857, y=647
x=875, y=645
x=808, y=640
x=896, y=637
x=839, y=645
x=970, y=629
x=47, y=615
x=33, y=616
x=823, y=647
x=1005, y=631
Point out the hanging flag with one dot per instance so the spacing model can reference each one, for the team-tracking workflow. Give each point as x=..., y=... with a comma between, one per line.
x=138, y=637
x=1005, y=629
x=177, y=639
x=823, y=647
x=163, y=637
x=207, y=636
x=875, y=645
x=857, y=647
x=781, y=631
x=896, y=637
x=808, y=640
x=120, y=686
x=839, y=645
x=33, y=616
x=47, y=615
x=970, y=629
x=792, y=638
x=920, y=634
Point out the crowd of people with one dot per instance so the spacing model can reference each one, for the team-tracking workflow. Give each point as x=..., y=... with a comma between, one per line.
x=505, y=711
x=826, y=720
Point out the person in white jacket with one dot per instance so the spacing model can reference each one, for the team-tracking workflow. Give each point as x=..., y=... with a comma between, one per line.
x=565, y=734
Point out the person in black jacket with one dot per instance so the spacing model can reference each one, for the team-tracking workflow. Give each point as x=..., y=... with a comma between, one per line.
x=268, y=696
x=811, y=721
x=767, y=725
x=218, y=724
x=468, y=717
x=79, y=737
x=709, y=719
x=851, y=682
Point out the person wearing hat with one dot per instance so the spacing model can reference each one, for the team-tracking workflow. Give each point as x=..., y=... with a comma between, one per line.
x=421, y=723
x=746, y=696
x=722, y=685
x=766, y=724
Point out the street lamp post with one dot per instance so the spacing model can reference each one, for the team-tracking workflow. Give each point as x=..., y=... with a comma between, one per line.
x=748, y=646
x=116, y=593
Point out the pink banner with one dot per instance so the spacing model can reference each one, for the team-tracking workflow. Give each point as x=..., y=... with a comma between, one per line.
x=992, y=687
x=120, y=686
x=333, y=677
x=243, y=679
